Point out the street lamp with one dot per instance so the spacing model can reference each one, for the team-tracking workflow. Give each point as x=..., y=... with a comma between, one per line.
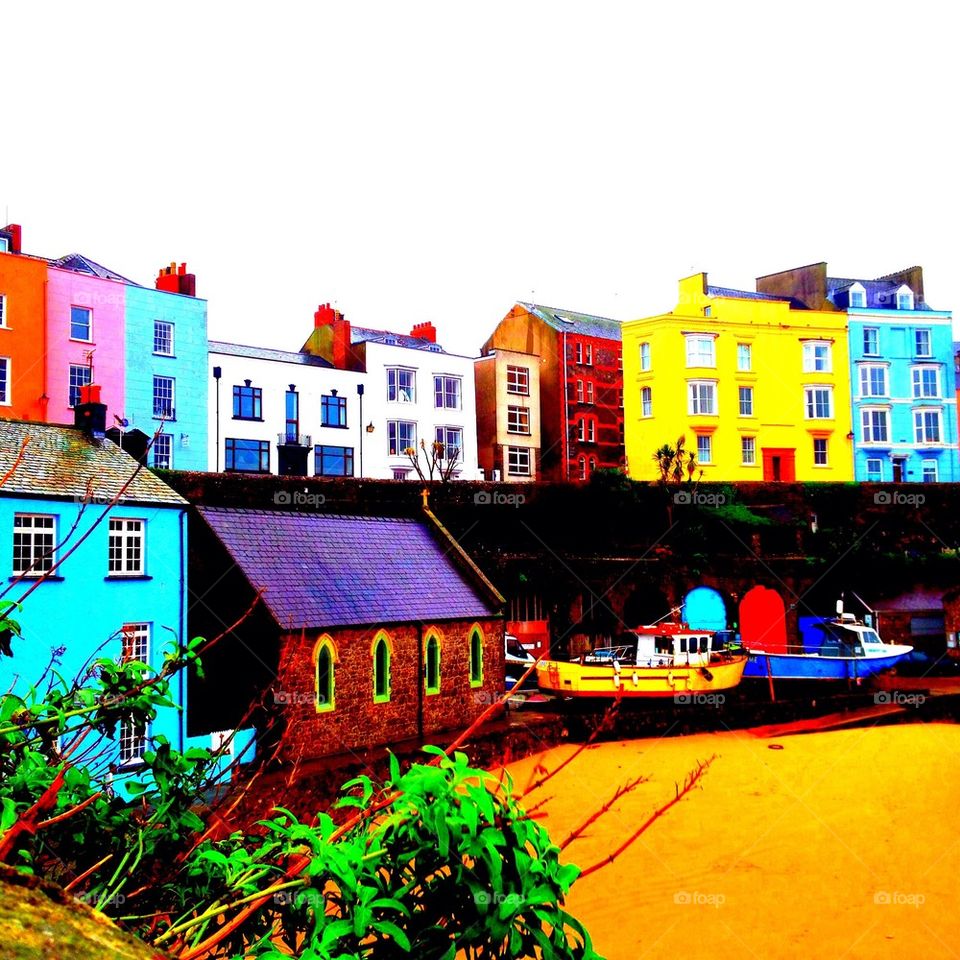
x=360, y=423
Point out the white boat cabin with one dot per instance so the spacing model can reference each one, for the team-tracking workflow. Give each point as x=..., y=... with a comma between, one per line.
x=656, y=648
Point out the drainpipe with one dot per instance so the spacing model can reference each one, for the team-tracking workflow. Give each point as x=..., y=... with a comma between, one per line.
x=183, y=625
x=44, y=399
x=566, y=413
x=421, y=680
x=217, y=372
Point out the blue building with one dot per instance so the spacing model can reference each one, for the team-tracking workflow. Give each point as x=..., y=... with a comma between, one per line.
x=901, y=371
x=110, y=586
x=166, y=369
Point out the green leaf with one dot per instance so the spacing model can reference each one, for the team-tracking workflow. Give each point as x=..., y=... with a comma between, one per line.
x=393, y=931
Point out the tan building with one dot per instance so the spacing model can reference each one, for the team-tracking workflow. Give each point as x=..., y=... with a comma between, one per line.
x=508, y=415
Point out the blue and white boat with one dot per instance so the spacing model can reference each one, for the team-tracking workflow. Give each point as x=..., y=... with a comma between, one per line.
x=849, y=650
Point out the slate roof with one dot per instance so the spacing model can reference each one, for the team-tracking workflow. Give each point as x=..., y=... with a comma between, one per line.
x=327, y=570
x=59, y=461
x=584, y=324
x=367, y=334
x=753, y=295
x=265, y=353
x=881, y=294
x=81, y=264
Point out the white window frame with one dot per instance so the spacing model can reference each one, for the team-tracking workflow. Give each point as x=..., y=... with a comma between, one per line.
x=393, y=437
x=158, y=411
x=163, y=451
x=3, y=312
x=579, y=389
x=645, y=356
x=518, y=380
x=443, y=435
x=578, y=352
x=916, y=381
x=646, y=402
x=518, y=418
x=869, y=428
x=158, y=324
x=810, y=401
x=826, y=452
x=858, y=290
x=441, y=383
x=695, y=352
x=876, y=341
x=928, y=334
x=36, y=539
x=740, y=397
x=589, y=354
x=744, y=357
x=694, y=399
x=920, y=430
x=748, y=451
x=6, y=365
x=73, y=367
x=932, y=466
x=707, y=441
x=590, y=393
x=89, y=337
x=135, y=640
x=812, y=362
x=904, y=298
x=591, y=430
x=865, y=381
x=126, y=534
x=517, y=462
x=397, y=393
x=879, y=470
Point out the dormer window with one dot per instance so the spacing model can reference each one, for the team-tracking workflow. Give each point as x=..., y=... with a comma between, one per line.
x=858, y=296
x=904, y=298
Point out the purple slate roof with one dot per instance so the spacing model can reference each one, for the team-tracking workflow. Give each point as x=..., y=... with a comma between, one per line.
x=326, y=570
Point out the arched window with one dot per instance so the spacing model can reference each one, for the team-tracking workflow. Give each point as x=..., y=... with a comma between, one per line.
x=432, y=664
x=476, y=657
x=582, y=464
x=381, y=668
x=325, y=658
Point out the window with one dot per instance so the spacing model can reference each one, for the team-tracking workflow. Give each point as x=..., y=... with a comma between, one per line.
x=701, y=397
x=704, y=448
x=34, y=544
x=135, y=646
x=619, y=359
x=620, y=432
x=333, y=461
x=81, y=321
x=3, y=310
x=708, y=311
x=874, y=470
x=163, y=338
x=401, y=385
x=292, y=422
x=929, y=471
x=875, y=426
x=922, y=340
x=401, y=435
x=589, y=354
x=587, y=428
x=581, y=430
x=163, y=388
x=646, y=402
x=873, y=381
x=431, y=664
x=904, y=298
x=748, y=451
x=518, y=380
x=593, y=464
x=518, y=462
x=5, y=380
x=582, y=465
x=644, y=356
x=871, y=341
x=579, y=391
x=927, y=426
x=246, y=456
x=381, y=669
x=79, y=377
x=518, y=420
x=163, y=451
x=247, y=402
x=744, y=356
x=476, y=657
x=451, y=440
x=4, y=244
x=579, y=352
x=589, y=392
x=858, y=296
x=125, y=548
x=816, y=357
x=926, y=382
x=746, y=401
x=700, y=352
x=446, y=391
x=333, y=410
x=820, y=451
x=819, y=403
x=325, y=660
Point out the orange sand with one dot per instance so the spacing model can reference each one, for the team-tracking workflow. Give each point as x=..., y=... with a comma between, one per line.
x=842, y=845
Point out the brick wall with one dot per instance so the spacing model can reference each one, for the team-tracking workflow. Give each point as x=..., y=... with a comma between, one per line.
x=356, y=722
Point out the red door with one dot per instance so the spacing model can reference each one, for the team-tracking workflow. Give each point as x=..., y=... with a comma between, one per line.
x=779, y=464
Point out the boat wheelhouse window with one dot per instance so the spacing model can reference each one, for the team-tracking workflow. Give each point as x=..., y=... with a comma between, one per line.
x=683, y=644
x=870, y=636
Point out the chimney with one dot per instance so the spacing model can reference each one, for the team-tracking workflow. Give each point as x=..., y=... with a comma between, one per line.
x=13, y=232
x=175, y=279
x=90, y=415
x=424, y=331
x=327, y=316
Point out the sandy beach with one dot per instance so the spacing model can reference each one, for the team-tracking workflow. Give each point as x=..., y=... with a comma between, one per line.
x=840, y=844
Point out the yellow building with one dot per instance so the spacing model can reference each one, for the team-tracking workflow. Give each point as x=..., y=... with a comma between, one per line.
x=758, y=387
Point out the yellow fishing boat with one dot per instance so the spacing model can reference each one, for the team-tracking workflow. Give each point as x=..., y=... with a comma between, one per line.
x=665, y=660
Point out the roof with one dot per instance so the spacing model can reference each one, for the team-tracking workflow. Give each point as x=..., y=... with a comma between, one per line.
x=584, y=324
x=881, y=294
x=754, y=295
x=59, y=461
x=366, y=334
x=328, y=570
x=265, y=353
x=81, y=264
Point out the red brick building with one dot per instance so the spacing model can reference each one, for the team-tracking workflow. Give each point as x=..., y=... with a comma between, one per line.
x=372, y=630
x=581, y=386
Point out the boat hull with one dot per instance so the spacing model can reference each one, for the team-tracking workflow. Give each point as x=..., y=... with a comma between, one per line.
x=602, y=681
x=811, y=666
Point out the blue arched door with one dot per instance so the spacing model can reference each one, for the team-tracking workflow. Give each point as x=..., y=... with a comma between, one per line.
x=704, y=609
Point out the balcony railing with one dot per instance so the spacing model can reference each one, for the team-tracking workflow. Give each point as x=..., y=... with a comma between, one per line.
x=294, y=440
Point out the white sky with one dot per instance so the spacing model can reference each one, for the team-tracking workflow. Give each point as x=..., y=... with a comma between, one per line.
x=440, y=160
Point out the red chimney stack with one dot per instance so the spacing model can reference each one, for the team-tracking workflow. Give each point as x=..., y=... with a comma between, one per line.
x=14, y=232
x=327, y=316
x=174, y=279
x=424, y=331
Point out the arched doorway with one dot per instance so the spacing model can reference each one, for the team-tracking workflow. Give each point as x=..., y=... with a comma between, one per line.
x=763, y=622
x=704, y=609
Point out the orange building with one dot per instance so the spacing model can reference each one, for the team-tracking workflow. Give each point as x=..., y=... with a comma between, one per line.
x=22, y=330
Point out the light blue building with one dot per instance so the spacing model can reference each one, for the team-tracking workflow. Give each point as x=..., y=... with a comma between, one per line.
x=166, y=379
x=110, y=586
